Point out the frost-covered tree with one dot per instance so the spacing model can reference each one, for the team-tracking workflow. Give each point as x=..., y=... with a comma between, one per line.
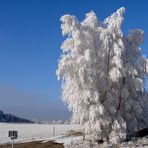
x=54, y=122
x=103, y=73
x=59, y=122
x=66, y=122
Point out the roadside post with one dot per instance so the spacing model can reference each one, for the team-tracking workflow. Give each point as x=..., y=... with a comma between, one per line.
x=13, y=135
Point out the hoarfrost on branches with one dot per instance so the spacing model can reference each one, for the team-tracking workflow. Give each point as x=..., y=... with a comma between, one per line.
x=103, y=73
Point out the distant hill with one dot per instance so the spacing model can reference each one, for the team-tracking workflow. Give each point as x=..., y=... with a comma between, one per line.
x=12, y=118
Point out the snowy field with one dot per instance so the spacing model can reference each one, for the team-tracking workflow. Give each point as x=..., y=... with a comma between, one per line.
x=33, y=132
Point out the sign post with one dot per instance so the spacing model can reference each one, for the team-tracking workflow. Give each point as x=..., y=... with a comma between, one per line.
x=13, y=135
x=12, y=142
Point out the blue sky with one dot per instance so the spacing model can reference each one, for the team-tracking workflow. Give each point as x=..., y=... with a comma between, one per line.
x=30, y=39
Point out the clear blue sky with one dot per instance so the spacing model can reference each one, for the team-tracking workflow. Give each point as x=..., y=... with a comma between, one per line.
x=30, y=39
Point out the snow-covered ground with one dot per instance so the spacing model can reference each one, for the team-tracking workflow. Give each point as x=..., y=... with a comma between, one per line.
x=44, y=132
x=33, y=132
x=78, y=142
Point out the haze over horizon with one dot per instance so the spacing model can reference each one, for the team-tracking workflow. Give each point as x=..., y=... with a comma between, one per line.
x=30, y=40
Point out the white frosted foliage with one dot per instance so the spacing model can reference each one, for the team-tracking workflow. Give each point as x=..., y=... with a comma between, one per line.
x=103, y=73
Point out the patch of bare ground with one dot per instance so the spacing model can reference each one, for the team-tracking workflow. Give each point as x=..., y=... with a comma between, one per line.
x=73, y=133
x=36, y=144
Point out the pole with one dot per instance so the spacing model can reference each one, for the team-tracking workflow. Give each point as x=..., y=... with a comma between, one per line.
x=12, y=142
x=71, y=139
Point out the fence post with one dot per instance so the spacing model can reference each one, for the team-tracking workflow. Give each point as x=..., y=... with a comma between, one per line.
x=54, y=131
